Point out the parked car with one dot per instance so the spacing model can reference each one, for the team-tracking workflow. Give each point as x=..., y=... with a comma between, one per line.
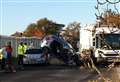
x=34, y=56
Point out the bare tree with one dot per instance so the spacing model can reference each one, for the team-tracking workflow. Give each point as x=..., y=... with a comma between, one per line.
x=71, y=33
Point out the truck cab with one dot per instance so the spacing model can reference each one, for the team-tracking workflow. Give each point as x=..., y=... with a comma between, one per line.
x=104, y=41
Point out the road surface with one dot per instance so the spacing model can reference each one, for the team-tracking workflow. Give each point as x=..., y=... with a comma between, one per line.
x=52, y=74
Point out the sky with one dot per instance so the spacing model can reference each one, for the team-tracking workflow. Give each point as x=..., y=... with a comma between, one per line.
x=16, y=15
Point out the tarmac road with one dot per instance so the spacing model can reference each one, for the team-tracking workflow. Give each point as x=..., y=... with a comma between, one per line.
x=50, y=74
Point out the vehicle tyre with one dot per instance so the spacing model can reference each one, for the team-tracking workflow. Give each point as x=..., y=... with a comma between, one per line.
x=101, y=62
x=94, y=60
x=45, y=50
x=76, y=60
x=46, y=55
x=99, y=59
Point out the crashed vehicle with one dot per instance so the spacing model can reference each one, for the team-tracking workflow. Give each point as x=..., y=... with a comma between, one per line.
x=57, y=47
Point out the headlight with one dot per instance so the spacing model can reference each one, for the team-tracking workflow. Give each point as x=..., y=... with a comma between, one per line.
x=100, y=53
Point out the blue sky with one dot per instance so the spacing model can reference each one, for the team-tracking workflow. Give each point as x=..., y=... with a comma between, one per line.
x=16, y=15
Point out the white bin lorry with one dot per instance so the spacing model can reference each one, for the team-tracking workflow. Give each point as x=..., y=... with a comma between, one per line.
x=104, y=41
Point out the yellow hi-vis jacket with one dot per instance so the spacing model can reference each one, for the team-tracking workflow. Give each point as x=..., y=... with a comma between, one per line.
x=1, y=55
x=21, y=50
x=25, y=48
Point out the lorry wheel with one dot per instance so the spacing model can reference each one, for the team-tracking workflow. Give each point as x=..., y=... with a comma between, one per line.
x=101, y=62
x=98, y=61
x=94, y=60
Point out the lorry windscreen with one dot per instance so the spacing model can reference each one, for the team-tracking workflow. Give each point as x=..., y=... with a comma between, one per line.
x=111, y=41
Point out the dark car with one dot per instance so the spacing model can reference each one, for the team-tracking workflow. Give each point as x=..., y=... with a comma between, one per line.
x=50, y=38
x=34, y=56
x=57, y=47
